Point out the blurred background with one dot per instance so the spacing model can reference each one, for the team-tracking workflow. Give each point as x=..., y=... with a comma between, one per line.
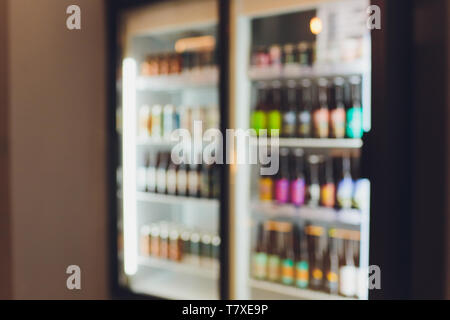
x=86, y=178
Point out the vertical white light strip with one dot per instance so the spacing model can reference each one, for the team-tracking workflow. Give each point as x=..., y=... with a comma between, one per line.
x=129, y=166
x=242, y=233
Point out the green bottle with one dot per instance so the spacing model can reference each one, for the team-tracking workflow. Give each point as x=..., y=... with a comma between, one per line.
x=288, y=259
x=274, y=115
x=302, y=265
x=259, y=115
x=354, y=113
x=273, y=267
x=354, y=122
x=260, y=258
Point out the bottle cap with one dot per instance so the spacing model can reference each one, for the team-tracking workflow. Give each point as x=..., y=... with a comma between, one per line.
x=216, y=241
x=306, y=83
x=314, y=159
x=339, y=81
x=206, y=239
x=298, y=152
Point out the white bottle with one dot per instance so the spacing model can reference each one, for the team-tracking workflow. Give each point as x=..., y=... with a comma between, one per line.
x=348, y=275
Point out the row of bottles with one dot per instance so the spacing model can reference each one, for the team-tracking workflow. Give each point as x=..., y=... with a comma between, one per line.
x=161, y=175
x=325, y=108
x=159, y=122
x=319, y=181
x=176, y=63
x=302, y=54
x=178, y=243
x=311, y=257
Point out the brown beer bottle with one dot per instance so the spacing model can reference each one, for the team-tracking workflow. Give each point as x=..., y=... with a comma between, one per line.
x=260, y=253
x=273, y=259
x=316, y=257
x=289, y=110
x=266, y=188
x=337, y=114
x=259, y=115
x=304, y=112
x=332, y=265
x=302, y=265
x=328, y=188
x=287, y=259
x=321, y=113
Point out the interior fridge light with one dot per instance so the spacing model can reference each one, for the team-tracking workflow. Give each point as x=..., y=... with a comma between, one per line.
x=316, y=25
x=195, y=43
x=129, y=166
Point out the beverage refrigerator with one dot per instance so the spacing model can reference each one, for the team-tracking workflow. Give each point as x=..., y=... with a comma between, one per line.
x=303, y=68
x=295, y=80
x=168, y=215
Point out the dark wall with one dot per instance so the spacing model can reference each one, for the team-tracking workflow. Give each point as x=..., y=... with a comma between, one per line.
x=389, y=150
x=431, y=134
x=409, y=150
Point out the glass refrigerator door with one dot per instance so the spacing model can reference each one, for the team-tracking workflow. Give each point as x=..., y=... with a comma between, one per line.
x=168, y=196
x=301, y=210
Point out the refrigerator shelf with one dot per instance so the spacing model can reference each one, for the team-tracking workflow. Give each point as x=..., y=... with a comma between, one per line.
x=155, y=141
x=313, y=143
x=269, y=290
x=209, y=77
x=272, y=210
x=193, y=270
x=169, y=285
x=296, y=71
x=148, y=141
x=213, y=204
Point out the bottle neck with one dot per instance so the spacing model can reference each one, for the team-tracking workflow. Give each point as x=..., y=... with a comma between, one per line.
x=329, y=171
x=276, y=98
x=346, y=167
x=262, y=99
x=303, y=244
x=349, y=253
x=314, y=172
x=306, y=99
x=323, y=97
x=332, y=247
x=283, y=167
x=339, y=97
x=356, y=96
x=291, y=104
x=299, y=166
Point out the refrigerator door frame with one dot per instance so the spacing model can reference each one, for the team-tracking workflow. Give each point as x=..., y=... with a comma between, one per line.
x=399, y=201
x=114, y=9
x=388, y=157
